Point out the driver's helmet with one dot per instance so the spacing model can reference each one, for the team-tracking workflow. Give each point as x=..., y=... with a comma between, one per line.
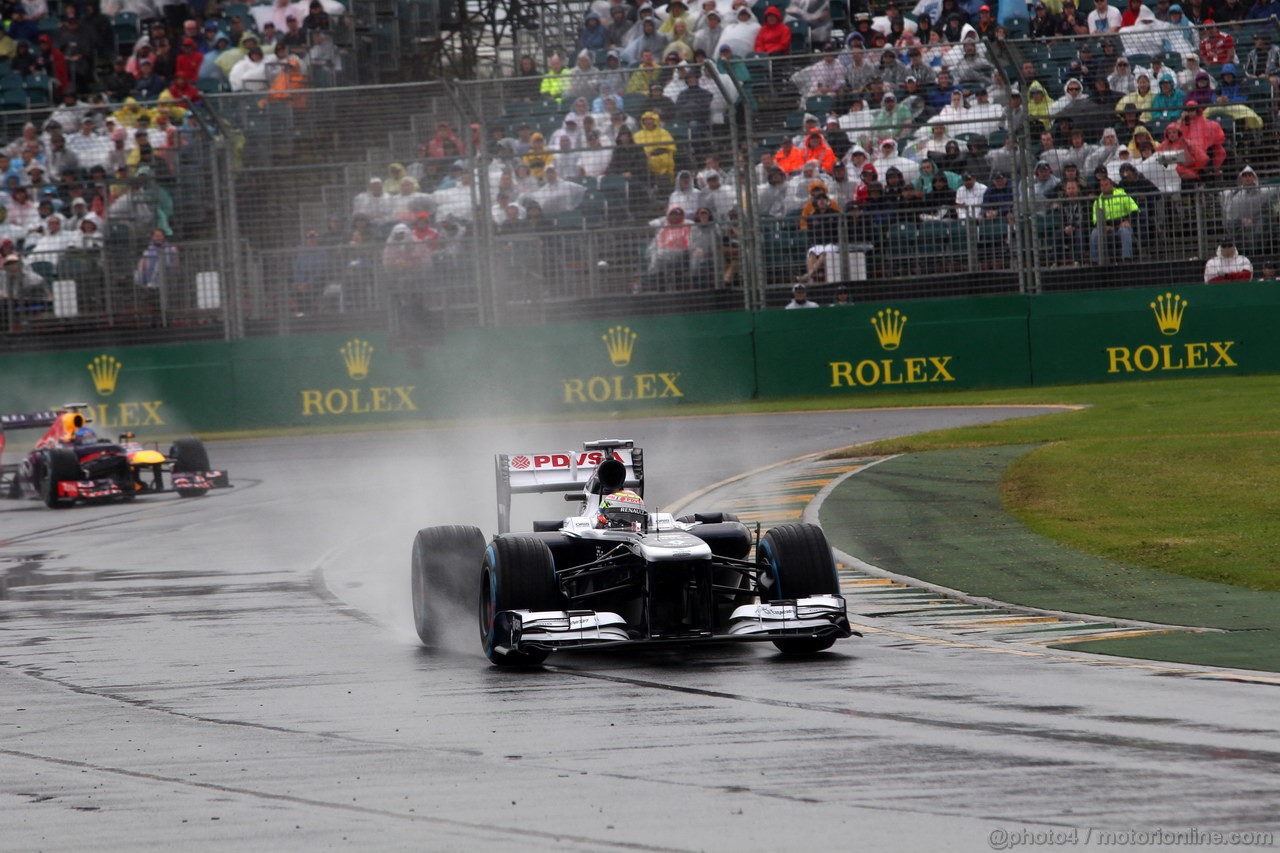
x=84, y=435
x=621, y=510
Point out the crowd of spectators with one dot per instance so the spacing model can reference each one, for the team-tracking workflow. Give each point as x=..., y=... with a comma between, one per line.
x=935, y=120
x=109, y=93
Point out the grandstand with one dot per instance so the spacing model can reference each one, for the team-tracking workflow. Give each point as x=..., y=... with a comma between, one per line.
x=271, y=221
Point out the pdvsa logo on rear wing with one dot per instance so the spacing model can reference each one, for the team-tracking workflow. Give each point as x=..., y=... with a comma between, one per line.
x=568, y=471
x=565, y=461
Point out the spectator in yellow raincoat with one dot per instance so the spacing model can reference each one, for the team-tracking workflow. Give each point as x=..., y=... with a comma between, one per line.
x=539, y=156
x=658, y=146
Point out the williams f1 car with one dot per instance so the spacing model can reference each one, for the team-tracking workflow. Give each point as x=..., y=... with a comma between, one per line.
x=71, y=464
x=617, y=574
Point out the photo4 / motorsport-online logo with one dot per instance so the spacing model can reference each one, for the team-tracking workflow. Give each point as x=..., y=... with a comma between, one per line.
x=889, y=325
x=105, y=371
x=619, y=344
x=357, y=358
x=1169, y=310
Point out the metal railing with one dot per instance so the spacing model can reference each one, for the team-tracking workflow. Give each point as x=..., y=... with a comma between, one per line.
x=250, y=175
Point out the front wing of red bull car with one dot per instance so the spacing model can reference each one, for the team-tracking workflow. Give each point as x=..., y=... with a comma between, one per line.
x=600, y=578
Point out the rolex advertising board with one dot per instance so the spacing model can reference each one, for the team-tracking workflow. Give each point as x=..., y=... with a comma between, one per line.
x=602, y=366
x=893, y=346
x=1155, y=333
x=323, y=379
x=624, y=365
x=166, y=389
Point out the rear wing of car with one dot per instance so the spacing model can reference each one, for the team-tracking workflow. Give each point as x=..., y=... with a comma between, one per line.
x=568, y=471
x=25, y=420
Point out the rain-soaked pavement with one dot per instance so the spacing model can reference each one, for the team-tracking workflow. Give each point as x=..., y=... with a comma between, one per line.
x=240, y=672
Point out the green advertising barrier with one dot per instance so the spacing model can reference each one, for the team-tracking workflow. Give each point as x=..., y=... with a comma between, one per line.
x=1146, y=333
x=609, y=365
x=335, y=379
x=581, y=367
x=322, y=379
x=978, y=342
x=617, y=366
x=168, y=388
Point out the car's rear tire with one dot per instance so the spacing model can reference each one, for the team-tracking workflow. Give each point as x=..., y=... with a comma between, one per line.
x=518, y=573
x=59, y=465
x=189, y=455
x=445, y=563
x=796, y=562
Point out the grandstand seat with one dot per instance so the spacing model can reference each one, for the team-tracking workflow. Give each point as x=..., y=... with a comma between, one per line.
x=840, y=14
x=45, y=270
x=12, y=81
x=13, y=99
x=941, y=238
x=49, y=25
x=1258, y=90
x=901, y=240
x=593, y=207
x=1034, y=51
x=569, y=220
x=212, y=86
x=800, y=36
x=632, y=102
x=794, y=121
x=819, y=105
x=125, y=28
x=997, y=139
x=1017, y=27
x=39, y=89
x=1063, y=52
x=1228, y=125
x=231, y=10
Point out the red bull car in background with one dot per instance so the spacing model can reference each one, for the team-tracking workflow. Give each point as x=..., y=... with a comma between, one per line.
x=616, y=573
x=71, y=464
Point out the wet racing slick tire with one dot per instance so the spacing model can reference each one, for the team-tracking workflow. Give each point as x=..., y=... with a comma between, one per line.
x=445, y=563
x=796, y=562
x=519, y=573
x=189, y=454
x=57, y=465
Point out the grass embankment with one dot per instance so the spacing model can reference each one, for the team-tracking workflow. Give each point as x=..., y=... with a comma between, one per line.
x=1178, y=476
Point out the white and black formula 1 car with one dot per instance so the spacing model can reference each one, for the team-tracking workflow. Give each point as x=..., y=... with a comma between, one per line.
x=617, y=574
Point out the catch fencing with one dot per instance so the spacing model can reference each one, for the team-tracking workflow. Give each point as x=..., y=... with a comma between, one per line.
x=278, y=227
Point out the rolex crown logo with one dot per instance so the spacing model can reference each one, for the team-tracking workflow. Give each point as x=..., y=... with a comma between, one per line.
x=888, y=324
x=357, y=355
x=1168, y=309
x=105, y=370
x=619, y=341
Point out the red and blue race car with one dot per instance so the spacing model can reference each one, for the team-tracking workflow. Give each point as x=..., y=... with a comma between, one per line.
x=71, y=463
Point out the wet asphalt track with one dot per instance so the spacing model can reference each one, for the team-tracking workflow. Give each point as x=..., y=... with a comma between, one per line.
x=240, y=673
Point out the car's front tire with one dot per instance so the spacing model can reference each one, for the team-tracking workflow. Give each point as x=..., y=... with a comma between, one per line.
x=796, y=562
x=444, y=566
x=58, y=465
x=189, y=455
x=518, y=573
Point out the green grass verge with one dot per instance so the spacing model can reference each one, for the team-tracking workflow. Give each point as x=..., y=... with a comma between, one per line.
x=1180, y=476
x=937, y=516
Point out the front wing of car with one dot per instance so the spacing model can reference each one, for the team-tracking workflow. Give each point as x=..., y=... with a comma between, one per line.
x=107, y=488
x=818, y=616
